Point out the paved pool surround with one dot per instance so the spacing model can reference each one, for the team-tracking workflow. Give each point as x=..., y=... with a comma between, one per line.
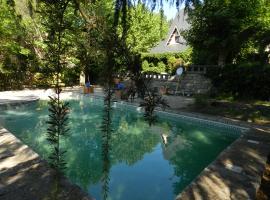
x=25, y=176
x=235, y=174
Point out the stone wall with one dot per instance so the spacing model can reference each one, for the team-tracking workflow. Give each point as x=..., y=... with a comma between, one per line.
x=187, y=84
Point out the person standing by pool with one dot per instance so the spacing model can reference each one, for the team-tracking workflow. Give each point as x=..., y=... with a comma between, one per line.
x=87, y=86
x=118, y=90
x=120, y=86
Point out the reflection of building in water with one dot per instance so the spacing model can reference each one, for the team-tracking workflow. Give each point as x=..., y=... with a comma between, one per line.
x=81, y=105
x=164, y=138
x=174, y=143
x=172, y=139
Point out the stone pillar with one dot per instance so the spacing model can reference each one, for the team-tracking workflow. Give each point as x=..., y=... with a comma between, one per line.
x=82, y=78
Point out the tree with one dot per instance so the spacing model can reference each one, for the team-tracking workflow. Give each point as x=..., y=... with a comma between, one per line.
x=17, y=58
x=56, y=25
x=219, y=29
x=142, y=35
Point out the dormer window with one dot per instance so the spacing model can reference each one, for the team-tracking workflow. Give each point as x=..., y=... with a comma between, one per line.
x=174, y=41
x=174, y=38
x=177, y=39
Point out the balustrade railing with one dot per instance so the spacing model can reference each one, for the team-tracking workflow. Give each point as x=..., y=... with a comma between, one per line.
x=199, y=69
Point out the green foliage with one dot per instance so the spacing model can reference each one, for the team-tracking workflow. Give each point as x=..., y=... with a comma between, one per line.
x=70, y=76
x=143, y=35
x=220, y=29
x=56, y=25
x=150, y=103
x=16, y=53
x=58, y=121
x=160, y=68
x=166, y=62
x=246, y=80
x=145, y=65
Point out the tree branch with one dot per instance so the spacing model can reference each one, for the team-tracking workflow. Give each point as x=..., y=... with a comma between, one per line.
x=84, y=14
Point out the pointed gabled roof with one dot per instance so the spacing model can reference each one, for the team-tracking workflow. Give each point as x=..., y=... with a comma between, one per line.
x=170, y=44
x=174, y=34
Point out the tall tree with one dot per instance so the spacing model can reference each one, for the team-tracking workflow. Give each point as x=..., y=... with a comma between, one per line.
x=54, y=13
x=142, y=35
x=219, y=29
x=17, y=57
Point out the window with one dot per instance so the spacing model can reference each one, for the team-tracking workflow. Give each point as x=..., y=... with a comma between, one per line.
x=177, y=39
x=174, y=38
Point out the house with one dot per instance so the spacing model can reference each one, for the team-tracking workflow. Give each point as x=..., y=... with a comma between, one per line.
x=174, y=42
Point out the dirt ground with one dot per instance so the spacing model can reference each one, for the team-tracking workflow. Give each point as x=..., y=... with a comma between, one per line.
x=253, y=112
x=264, y=192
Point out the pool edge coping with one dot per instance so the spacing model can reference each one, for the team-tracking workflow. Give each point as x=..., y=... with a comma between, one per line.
x=250, y=132
x=251, y=178
x=5, y=133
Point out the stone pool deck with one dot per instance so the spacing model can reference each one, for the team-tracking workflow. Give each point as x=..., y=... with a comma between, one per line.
x=237, y=172
x=234, y=175
x=25, y=176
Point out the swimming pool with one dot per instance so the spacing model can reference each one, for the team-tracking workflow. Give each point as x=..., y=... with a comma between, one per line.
x=146, y=162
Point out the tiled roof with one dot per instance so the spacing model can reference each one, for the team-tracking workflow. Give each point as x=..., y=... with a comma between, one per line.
x=179, y=22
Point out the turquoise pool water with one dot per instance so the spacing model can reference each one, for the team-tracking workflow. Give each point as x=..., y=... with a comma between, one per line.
x=147, y=163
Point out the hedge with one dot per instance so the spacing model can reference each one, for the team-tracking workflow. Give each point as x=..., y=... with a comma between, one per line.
x=156, y=62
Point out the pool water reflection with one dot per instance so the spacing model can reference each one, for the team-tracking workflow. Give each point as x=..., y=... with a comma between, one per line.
x=146, y=162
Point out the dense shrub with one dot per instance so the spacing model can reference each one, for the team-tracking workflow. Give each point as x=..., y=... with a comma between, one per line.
x=150, y=67
x=156, y=62
x=71, y=76
x=247, y=80
x=161, y=67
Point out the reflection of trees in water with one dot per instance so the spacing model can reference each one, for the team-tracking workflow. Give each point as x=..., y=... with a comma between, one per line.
x=176, y=149
x=106, y=129
x=93, y=154
x=85, y=162
x=132, y=140
x=184, y=148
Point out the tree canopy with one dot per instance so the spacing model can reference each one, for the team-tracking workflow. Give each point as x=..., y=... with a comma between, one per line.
x=25, y=39
x=220, y=30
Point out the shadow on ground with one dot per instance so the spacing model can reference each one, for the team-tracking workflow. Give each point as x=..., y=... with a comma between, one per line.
x=24, y=176
x=220, y=180
x=249, y=112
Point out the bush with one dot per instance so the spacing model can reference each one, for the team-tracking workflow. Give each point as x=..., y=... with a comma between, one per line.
x=159, y=68
x=246, y=80
x=170, y=60
x=145, y=66
x=71, y=76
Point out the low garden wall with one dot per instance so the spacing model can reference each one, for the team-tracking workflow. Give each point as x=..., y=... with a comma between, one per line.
x=192, y=81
